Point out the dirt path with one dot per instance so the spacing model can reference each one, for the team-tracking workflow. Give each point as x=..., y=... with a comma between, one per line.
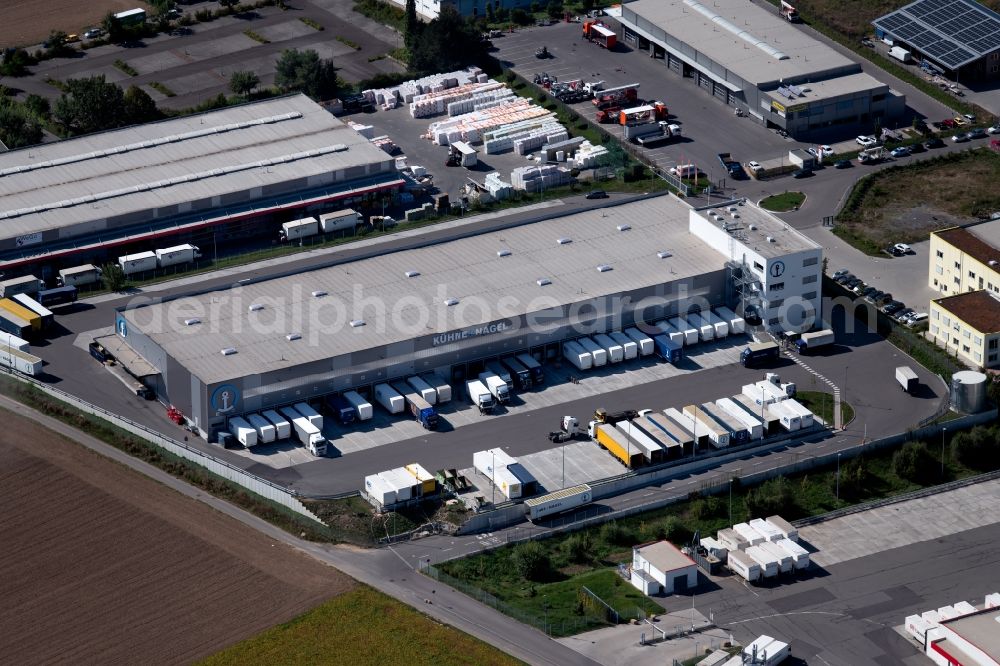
x=102, y=565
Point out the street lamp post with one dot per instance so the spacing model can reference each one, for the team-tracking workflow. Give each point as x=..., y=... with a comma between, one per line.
x=943, y=431
x=838, y=477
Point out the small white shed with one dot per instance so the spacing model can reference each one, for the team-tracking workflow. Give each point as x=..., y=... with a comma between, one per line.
x=661, y=568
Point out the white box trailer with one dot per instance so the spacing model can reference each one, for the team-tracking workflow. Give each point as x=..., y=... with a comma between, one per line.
x=800, y=556
x=652, y=450
x=788, y=419
x=282, y=428
x=706, y=331
x=442, y=387
x=243, y=432
x=302, y=228
x=480, y=396
x=731, y=540
x=672, y=448
x=786, y=564
x=964, y=608
x=558, y=502
x=26, y=284
x=743, y=566
x=8, y=341
x=79, y=276
x=696, y=428
x=753, y=537
x=379, y=490
x=307, y=411
x=721, y=327
x=498, y=387
x=757, y=394
x=690, y=332
x=596, y=351
x=718, y=435
x=767, y=651
x=341, y=220
x=736, y=323
x=789, y=531
x=360, y=405
x=22, y=361
x=266, y=432
x=753, y=425
x=672, y=333
x=386, y=396
x=991, y=600
x=712, y=545
x=501, y=371
x=495, y=464
x=579, y=357
x=534, y=367
x=177, y=255
x=917, y=627
x=616, y=353
x=137, y=263
x=401, y=481
x=642, y=341
x=630, y=349
x=768, y=563
x=425, y=390
x=766, y=530
x=806, y=419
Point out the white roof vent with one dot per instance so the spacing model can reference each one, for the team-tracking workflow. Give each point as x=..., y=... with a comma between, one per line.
x=254, y=307
x=732, y=209
x=503, y=253
x=229, y=351
x=411, y=274
x=564, y=241
x=451, y=301
x=355, y=323
x=603, y=268
x=319, y=293
x=770, y=239
x=753, y=227
x=663, y=254
x=735, y=215
x=624, y=227
x=293, y=336
x=541, y=282
x=192, y=321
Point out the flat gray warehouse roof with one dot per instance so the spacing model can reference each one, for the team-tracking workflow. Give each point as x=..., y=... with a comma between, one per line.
x=747, y=38
x=755, y=226
x=396, y=308
x=196, y=159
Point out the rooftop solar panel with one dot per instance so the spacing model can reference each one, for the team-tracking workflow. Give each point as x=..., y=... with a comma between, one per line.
x=955, y=32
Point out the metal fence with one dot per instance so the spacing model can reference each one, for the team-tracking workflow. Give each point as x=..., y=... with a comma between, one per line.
x=251, y=482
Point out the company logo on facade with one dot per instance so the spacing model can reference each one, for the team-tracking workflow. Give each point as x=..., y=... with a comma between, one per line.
x=122, y=327
x=777, y=269
x=489, y=329
x=225, y=398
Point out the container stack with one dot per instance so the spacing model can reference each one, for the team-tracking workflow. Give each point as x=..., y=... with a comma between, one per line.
x=497, y=187
x=538, y=178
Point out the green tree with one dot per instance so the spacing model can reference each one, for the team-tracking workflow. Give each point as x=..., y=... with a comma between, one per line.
x=243, y=82
x=19, y=127
x=90, y=105
x=113, y=277
x=15, y=62
x=586, y=6
x=116, y=31
x=56, y=43
x=305, y=72
x=555, y=9
x=771, y=497
x=976, y=448
x=139, y=107
x=914, y=462
x=491, y=15
x=448, y=42
x=38, y=105
x=578, y=548
x=412, y=25
x=530, y=561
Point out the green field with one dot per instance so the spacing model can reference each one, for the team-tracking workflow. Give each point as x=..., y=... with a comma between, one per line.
x=821, y=404
x=781, y=203
x=362, y=627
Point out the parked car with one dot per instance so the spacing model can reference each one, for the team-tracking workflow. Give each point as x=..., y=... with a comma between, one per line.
x=892, y=307
x=812, y=150
x=868, y=291
x=842, y=164
x=916, y=319
x=852, y=283
x=961, y=137
x=917, y=148
x=903, y=314
x=901, y=151
x=843, y=277
x=802, y=173
x=977, y=133
x=995, y=129
x=755, y=167
x=934, y=143
x=597, y=194
x=873, y=297
x=840, y=273
x=859, y=287
x=900, y=249
x=947, y=123
x=883, y=298
x=93, y=33
x=866, y=141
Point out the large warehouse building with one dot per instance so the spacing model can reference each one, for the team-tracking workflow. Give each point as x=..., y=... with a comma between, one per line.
x=749, y=57
x=451, y=306
x=959, y=38
x=208, y=179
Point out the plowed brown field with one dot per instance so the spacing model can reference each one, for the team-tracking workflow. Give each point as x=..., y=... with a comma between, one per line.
x=99, y=564
x=28, y=22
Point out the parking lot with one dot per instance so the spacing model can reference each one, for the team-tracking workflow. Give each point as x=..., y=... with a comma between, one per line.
x=384, y=429
x=709, y=127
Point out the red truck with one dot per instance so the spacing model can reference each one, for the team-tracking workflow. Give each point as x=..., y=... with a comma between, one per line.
x=600, y=34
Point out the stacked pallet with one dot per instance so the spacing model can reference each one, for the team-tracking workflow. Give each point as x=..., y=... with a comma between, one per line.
x=588, y=155
x=471, y=127
x=405, y=92
x=538, y=178
x=536, y=140
x=385, y=143
x=503, y=138
x=484, y=98
x=497, y=187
